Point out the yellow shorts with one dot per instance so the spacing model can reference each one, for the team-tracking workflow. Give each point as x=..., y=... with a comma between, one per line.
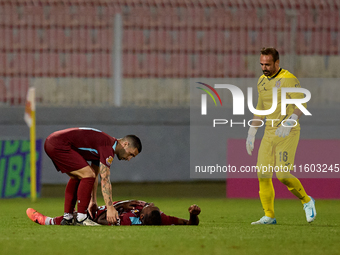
x=277, y=151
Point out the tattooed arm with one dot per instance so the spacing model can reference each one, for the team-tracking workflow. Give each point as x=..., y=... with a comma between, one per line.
x=112, y=214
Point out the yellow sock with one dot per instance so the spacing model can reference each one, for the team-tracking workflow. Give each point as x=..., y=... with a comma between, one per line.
x=294, y=185
x=267, y=195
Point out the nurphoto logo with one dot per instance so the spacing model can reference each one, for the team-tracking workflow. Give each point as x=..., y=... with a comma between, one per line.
x=238, y=101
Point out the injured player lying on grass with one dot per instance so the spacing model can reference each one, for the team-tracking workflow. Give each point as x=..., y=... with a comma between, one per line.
x=131, y=212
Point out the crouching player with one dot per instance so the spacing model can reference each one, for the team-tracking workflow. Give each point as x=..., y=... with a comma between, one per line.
x=131, y=212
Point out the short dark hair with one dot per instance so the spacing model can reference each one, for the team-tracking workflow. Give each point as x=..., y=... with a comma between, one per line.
x=134, y=142
x=152, y=218
x=271, y=51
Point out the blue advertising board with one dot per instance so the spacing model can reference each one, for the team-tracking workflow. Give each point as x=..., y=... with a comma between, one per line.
x=15, y=176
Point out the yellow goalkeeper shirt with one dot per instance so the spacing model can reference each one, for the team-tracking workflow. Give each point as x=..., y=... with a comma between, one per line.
x=265, y=85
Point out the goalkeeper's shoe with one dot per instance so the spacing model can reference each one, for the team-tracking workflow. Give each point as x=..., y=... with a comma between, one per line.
x=310, y=210
x=36, y=216
x=265, y=220
x=86, y=222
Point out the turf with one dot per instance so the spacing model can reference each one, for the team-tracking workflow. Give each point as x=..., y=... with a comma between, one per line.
x=224, y=229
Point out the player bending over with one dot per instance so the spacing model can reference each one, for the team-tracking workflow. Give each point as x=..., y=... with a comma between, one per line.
x=131, y=212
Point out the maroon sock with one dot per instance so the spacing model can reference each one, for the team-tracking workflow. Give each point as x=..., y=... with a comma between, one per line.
x=84, y=193
x=57, y=220
x=71, y=195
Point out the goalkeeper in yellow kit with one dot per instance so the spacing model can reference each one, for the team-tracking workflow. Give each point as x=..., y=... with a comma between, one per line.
x=281, y=137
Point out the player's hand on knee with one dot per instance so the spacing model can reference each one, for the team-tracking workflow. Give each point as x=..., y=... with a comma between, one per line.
x=251, y=140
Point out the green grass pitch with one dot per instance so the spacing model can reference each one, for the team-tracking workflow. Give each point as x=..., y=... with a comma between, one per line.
x=224, y=229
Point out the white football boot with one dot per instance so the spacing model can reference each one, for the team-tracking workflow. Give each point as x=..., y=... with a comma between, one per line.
x=265, y=220
x=310, y=210
x=86, y=222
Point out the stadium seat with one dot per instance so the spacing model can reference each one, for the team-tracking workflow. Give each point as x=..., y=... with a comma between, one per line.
x=212, y=40
x=12, y=64
x=18, y=38
x=307, y=20
x=59, y=64
x=33, y=14
x=60, y=15
x=143, y=65
x=102, y=64
x=194, y=65
x=41, y=64
x=238, y=41
x=79, y=64
x=278, y=18
x=3, y=18
x=254, y=41
x=2, y=35
x=3, y=63
x=209, y=65
x=128, y=39
x=3, y=91
x=138, y=40
x=85, y=15
x=26, y=64
x=317, y=42
x=146, y=45
x=175, y=66
x=17, y=16
x=7, y=39
x=7, y=13
x=18, y=90
x=182, y=17
x=179, y=40
x=137, y=17
x=55, y=39
x=195, y=17
x=17, y=64
x=223, y=18
x=304, y=42
x=105, y=38
x=41, y=39
x=165, y=18
x=248, y=19
x=78, y=39
x=152, y=65
x=129, y=64
x=191, y=41
x=334, y=43
x=236, y=66
x=160, y=40
x=31, y=39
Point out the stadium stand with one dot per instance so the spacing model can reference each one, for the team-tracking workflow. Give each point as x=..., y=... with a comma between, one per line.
x=163, y=39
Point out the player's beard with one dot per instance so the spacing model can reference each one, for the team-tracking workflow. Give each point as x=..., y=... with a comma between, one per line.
x=266, y=73
x=120, y=153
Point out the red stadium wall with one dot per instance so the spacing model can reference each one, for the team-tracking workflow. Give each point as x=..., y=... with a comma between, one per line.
x=161, y=39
